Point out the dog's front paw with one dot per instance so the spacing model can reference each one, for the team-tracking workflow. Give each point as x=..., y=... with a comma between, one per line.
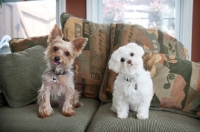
x=45, y=113
x=78, y=104
x=142, y=116
x=122, y=115
x=68, y=112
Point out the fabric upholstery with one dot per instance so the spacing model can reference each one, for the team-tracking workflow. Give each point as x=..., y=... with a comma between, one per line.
x=176, y=84
x=26, y=119
x=2, y=100
x=91, y=64
x=19, y=44
x=150, y=39
x=106, y=120
x=21, y=75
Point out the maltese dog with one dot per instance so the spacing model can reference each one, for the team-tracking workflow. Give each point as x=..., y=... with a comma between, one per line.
x=133, y=87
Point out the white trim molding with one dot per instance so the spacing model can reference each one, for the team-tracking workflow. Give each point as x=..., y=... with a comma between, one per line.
x=60, y=8
x=94, y=10
x=184, y=23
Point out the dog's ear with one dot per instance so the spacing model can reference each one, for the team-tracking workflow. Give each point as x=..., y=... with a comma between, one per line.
x=55, y=33
x=79, y=43
x=113, y=63
x=138, y=49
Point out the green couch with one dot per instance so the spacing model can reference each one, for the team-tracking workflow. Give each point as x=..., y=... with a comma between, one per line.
x=175, y=106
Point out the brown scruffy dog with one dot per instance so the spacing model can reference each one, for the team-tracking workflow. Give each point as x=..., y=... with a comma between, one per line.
x=58, y=79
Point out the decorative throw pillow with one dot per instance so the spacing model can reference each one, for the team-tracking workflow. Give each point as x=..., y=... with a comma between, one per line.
x=171, y=46
x=21, y=75
x=19, y=44
x=91, y=64
x=152, y=40
x=123, y=34
x=177, y=84
x=126, y=33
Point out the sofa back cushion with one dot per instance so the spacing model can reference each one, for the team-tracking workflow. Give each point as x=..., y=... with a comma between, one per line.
x=90, y=66
x=21, y=75
x=19, y=44
x=176, y=82
x=126, y=33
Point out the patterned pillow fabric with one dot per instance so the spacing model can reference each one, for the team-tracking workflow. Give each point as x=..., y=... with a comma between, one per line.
x=125, y=33
x=122, y=34
x=177, y=84
x=150, y=39
x=19, y=44
x=91, y=64
x=171, y=46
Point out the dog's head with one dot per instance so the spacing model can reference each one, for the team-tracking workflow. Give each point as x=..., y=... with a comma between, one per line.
x=126, y=59
x=60, y=54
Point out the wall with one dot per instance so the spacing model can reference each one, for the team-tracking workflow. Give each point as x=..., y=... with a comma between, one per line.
x=78, y=8
x=196, y=32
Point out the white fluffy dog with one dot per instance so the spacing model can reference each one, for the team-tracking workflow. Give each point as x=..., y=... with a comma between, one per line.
x=133, y=87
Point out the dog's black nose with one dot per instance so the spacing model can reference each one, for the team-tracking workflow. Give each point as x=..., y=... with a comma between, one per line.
x=57, y=58
x=129, y=61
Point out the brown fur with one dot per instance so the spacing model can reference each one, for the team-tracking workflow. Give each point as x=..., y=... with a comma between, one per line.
x=58, y=79
x=149, y=61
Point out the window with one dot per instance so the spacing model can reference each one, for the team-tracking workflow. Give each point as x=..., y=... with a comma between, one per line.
x=30, y=18
x=27, y=19
x=171, y=16
x=22, y=19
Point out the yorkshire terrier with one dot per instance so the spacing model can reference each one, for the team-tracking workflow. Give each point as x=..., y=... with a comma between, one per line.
x=133, y=87
x=58, y=79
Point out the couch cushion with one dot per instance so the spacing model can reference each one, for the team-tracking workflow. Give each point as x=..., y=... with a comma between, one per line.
x=26, y=118
x=91, y=64
x=126, y=33
x=2, y=100
x=171, y=46
x=150, y=39
x=176, y=85
x=106, y=120
x=19, y=44
x=21, y=75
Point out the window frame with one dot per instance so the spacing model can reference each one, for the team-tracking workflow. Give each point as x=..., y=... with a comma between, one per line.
x=60, y=8
x=184, y=13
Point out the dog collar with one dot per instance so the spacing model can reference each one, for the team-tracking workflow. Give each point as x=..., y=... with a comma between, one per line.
x=131, y=79
x=60, y=73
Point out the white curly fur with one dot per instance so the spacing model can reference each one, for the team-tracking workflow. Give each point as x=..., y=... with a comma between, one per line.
x=132, y=95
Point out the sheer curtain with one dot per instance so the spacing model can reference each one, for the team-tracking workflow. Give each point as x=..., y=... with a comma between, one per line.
x=171, y=16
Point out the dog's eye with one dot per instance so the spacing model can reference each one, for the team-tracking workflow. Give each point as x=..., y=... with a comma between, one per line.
x=132, y=54
x=55, y=48
x=122, y=59
x=67, y=53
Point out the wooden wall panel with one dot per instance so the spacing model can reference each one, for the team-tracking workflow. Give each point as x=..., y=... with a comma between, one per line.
x=196, y=31
x=76, y=8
